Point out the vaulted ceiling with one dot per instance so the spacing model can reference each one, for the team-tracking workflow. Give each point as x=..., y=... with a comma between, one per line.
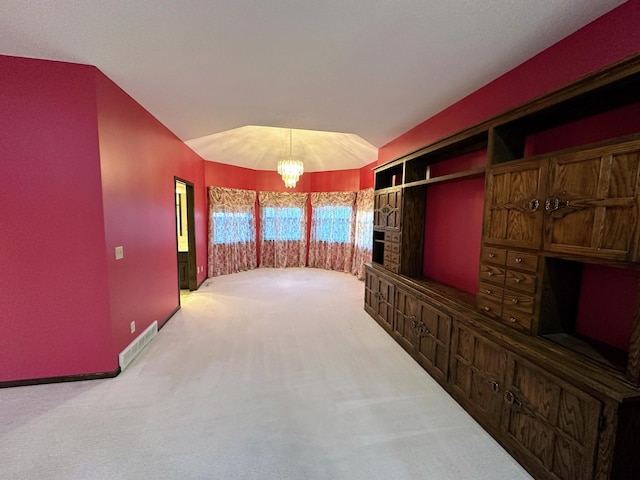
x=347, y=75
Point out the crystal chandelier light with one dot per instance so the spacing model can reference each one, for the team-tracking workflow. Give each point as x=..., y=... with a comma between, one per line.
x=290, y=169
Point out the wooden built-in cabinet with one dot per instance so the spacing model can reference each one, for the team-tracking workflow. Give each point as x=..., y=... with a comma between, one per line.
x=513, y=352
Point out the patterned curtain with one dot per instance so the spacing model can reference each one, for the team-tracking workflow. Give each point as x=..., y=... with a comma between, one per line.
x=283, y=229
x=332, y=230
x=364, y=232
x=232, y=231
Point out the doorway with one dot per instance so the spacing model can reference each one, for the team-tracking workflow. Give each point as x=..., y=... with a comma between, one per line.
x=185, y=235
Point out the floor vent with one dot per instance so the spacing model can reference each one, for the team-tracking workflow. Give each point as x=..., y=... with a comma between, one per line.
x=135, y=347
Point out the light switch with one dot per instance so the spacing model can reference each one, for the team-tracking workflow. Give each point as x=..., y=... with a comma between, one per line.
x=119, y=253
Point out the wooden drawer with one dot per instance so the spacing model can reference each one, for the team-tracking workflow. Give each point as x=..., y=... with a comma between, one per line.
x=493, y=255
x=523, y=261
x=518, y=301
x=489, y=306
x=392, y=247
x=516, y=319
x=491, y=291
x=394, y=237
x=391, y=257
x=520, y=281
x=489, y=273
x=393, y=267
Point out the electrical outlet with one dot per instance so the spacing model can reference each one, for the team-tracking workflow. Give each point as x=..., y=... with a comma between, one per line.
x=133, y=326
x=119, y=253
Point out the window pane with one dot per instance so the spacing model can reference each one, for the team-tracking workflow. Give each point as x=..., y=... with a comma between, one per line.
x=281, y=223
x=230, y=227
x=332, y=224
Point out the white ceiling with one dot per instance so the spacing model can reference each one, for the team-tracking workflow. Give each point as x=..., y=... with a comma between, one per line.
x=361, y=68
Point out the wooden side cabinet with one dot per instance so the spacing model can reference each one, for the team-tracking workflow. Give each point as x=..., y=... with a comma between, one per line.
x=379, y=298
x=552, y=425
x=477, y=374
x=424, y=331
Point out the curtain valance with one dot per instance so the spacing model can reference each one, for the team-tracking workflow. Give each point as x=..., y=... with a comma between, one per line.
x=282, y=199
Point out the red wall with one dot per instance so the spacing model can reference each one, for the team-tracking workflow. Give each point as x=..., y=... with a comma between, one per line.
x=453, y=227
x=367, y=178
x=86, y=169
x=608, y=39
x=139, y=158
x=54, y=301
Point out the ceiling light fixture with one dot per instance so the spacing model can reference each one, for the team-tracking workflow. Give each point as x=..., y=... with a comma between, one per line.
x=290, y=169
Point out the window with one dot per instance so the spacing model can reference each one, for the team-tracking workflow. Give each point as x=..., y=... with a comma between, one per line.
x=282, y=223
x=333, y=224
x=232, y=227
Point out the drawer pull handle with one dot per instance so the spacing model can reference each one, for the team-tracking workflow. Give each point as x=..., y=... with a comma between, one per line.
x=488, y=292
x=515, y=300
x=552, y=204
x=490, y=274
x=492, y=255
x=533, y=205
x=513, y=319
x=486, y=309
x=511, y=399
x=518, y=260
x=516, y=280
x=495, y=386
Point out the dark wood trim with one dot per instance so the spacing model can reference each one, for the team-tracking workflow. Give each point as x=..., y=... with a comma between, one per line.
x=164, y=322
x=476, y=172
x=191, y=232
x=65, y=378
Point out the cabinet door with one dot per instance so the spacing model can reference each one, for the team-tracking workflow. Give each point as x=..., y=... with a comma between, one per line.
x=553, y=426
x=384, y=301
x=513, y=214
x=387, y=209
x=433, y=331
x=378, y=299
x=477, y=373
x=592, y=203
x=370, y=289
x=404, y=329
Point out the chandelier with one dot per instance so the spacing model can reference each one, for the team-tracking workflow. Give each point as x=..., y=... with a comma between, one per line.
x=290, y=169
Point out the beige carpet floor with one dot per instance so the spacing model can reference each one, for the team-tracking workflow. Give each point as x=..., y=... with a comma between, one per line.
x=268, y=374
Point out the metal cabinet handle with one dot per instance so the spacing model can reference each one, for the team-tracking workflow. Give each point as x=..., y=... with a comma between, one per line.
x=516, y=280
x=515, y=300
x=533, y=205
x=492, y=255
x=486, y=309
x=495, y=386
x=518, y=260
x=513, y=319
x=488, y=292
x=511, y=399
x=552, y=204
x=490, y=274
